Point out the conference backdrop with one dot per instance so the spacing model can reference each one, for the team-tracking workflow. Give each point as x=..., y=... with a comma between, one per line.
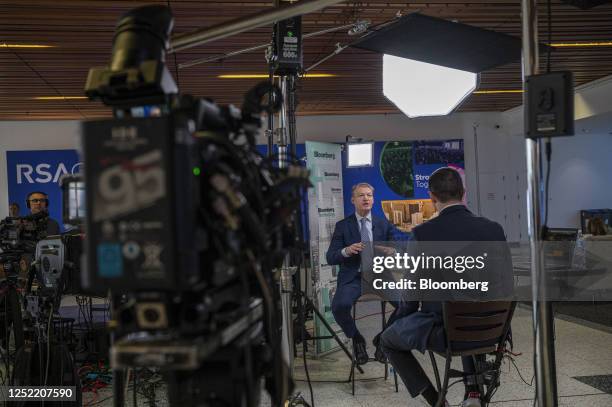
x=39, y=170
x=400, y=177
x=325, y=208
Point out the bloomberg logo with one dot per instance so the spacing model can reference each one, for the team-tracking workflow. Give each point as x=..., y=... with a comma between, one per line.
x=330, y=156
x=44, y=172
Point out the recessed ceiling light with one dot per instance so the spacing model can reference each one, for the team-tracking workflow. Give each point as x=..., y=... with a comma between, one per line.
x=5, y=45
x=59, y=97
x=581, y=44
x=265, y=76
x=497, y=91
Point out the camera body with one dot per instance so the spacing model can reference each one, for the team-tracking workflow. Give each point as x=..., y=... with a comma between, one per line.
x=58, y=265
x=18, y=239
x=186, y=225
x=141, y=201
x=22, y=233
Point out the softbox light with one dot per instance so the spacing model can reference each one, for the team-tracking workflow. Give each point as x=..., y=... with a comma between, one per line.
x=430, y=65
x=422, y=89
x=442, y=42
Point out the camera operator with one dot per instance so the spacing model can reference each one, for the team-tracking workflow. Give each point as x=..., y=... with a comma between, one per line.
x=39, y=202
x=14, y=210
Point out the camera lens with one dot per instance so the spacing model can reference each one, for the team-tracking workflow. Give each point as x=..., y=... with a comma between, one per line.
x=151, y=315
x=141, y=35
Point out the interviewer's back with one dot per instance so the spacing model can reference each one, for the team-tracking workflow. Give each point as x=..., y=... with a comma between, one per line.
x=456, y=223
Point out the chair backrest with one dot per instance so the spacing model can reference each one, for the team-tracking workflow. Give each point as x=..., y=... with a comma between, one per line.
x=477, y=321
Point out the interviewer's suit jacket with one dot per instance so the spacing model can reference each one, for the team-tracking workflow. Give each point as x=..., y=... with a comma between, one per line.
x=424, y=329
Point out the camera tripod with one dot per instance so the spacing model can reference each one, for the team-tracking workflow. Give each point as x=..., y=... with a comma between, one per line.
x=300, y=295
x=45, y=358
x=10, y=307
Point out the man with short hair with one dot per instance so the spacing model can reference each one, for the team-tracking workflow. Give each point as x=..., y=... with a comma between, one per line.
x=14, y=210
x=39, y=202
x=353, y=239
x=423, y=329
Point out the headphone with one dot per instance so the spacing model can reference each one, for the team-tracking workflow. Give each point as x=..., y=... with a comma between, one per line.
x=45, y=199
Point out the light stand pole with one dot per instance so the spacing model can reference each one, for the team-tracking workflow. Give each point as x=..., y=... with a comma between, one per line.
x=286, y=270
x=543, y=317
x=286, y=62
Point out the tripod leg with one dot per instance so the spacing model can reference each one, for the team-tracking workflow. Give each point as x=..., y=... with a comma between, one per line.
x=118, y=384
x=331, y=331
x=15, y=318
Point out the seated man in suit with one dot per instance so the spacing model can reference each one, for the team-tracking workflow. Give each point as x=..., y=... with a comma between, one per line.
x=352, y=239
x=423, y=329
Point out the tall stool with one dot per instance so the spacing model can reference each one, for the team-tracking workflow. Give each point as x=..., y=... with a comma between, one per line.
x=383, y=307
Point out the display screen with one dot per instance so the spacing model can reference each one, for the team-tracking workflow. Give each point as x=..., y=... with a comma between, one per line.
x=360, y=155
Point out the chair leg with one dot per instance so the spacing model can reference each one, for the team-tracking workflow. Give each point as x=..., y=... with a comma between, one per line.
x=435, y=369
x=354, y=362
x=480, y=365
x=442, y=395
x=395, y=379
x=353, y=376
x=383, y=309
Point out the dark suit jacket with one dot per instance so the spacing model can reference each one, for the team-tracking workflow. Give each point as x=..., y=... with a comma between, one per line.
x=453, y=224
x=53, y=227
x=456, y=224
x=345, y=234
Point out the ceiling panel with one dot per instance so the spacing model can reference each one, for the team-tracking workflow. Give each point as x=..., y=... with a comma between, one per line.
x=81, y=32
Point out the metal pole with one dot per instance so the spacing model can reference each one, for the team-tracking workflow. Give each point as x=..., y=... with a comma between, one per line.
x=543, y=318
x=268, y=17
x=477, y=167
x=292, y=106
x=339, y=49
x=258, y=47
x=286, y=271
x=283, y=124
x=286, y=285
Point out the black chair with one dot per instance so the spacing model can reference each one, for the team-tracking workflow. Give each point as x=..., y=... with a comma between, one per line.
x=383, y=308
x=474, y=329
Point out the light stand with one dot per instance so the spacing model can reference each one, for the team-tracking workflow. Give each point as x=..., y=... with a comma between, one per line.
x=287, y=64
x=543, y=316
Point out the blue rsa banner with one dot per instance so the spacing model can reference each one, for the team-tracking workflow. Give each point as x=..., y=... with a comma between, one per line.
x=39, y=170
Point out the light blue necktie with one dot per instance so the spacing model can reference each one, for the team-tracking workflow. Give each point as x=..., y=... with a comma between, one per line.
x=366, y=254
x=365, y=236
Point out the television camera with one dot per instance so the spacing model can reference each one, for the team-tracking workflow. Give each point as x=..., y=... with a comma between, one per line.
x=18, y=238
x=187, y=225
x=27, y=255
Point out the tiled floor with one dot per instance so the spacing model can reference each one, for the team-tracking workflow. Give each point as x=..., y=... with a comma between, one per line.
x=581, y=351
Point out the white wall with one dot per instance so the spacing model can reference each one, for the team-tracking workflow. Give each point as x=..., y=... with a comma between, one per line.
x=496, y=175
x=581, y=169
x=32, y=135
x=64, y=134
x=581, y=177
